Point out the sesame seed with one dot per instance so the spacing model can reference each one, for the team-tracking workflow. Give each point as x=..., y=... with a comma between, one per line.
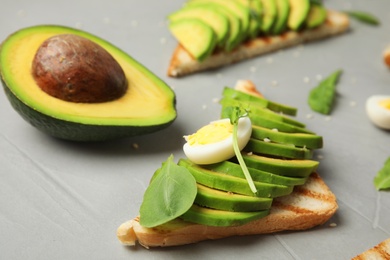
x=309, y=116
x=204, y=107
x=320, y=157
x=135, y=146
x=78, y=25
x=332, y=225
x=319, y=77
x=306, y=79
x=352, y=103
x=163, y=40
x=328, y=118
x=216, y=100
x=270, y=60
x=106, y=20
x=219, y=75
x=252, y=69
x=267, y=140
x=274, y=83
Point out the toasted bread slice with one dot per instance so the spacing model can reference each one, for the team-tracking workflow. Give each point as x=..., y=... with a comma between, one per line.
x=378, y=252
x=182, y=63
x=309, y=205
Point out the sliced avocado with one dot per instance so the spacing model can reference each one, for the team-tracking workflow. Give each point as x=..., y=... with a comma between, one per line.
x=283, y=11
x=235, y=27
x=269, y=15
x=256, y=11
x=316, y=16
x=221, y=218
x=277, y=150
x=292, y=168
x=233, y=6
x=310, y=141
x=254, y=109
x=222, y=200
x=147, y=105
x=234, y=169
x=270, y=123
x=212, y=16
x=197, y=37
x=276, y=107
x=299, y=9
x=233, y=184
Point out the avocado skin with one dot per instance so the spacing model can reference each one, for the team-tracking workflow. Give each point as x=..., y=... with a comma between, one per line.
x=75, y=131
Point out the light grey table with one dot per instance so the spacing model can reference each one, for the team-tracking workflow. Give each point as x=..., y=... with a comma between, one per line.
x=63, y=200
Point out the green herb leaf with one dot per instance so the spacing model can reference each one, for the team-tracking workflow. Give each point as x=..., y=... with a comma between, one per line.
x=235, y=114
x=382, y=179
x=321, y=98
x=170, y=194
x=364, y=17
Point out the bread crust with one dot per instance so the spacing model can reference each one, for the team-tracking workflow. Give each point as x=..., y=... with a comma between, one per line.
x=379, y=252
x=309, y=205
x=182, y=63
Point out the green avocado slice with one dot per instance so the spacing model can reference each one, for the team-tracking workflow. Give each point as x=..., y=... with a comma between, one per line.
x=209, y=15
x=234, y=169
x=235, y=7
x=233, y=184
x=221, y=218
x=262, y=102
x=292, y=168
x=299, y=9
x=310, y=141
x=277, y=150
x=196, y=36
x=222, y=200
x=316, y=16
x=148, y=104
x=269, y=15
x=283, y=11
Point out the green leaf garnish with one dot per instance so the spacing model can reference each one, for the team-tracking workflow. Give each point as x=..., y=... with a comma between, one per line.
x=321, y=97
x=235, y=114
x=364, y=17
x=170, y=194
x=382, y=179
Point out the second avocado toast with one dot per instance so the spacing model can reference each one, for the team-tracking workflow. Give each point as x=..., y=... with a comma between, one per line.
x=290, y=194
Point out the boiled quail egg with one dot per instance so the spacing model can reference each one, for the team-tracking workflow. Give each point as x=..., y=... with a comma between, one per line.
x=378, y=110
x=214, y=142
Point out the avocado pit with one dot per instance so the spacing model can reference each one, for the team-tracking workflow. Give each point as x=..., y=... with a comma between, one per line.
x=75, y=69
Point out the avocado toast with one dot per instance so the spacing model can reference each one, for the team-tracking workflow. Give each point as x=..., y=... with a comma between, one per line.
x=290, y=194
x=250, y=28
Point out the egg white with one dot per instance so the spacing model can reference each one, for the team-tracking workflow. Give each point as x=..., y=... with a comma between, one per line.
x=378, y=114
x=221, y=150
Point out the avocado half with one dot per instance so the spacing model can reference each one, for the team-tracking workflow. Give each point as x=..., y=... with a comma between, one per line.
x=148, y=105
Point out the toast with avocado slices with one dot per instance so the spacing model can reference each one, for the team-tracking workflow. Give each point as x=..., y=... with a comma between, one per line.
x=309, y=205
x=379, y=252
x=269, y=185
x=250, y=29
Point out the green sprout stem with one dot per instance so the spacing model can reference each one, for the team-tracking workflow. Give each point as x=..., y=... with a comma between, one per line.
x=241, y=160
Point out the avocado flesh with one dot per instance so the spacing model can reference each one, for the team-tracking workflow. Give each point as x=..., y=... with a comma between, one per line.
x=196, y=36
x=269, y=15
x=239, y=10
x=299, y=9
x=316, y=16
x=283, y=11
x=211, y=16
x=310, y=141
x=147, y=106
x=234, y=169
x=277, y=150
x=254, y=109
x=222, y=200
x=221, y=218
x=234, y=184
x=292, y=168
x=262, y=102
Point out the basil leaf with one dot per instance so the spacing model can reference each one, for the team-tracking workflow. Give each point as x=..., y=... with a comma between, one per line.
x=170, y=194
x=382, y=179
x=364, y=17
x=321, y=97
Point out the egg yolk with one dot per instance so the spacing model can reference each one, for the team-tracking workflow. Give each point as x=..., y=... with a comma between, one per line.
x=211, y=133
x=385, y=103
